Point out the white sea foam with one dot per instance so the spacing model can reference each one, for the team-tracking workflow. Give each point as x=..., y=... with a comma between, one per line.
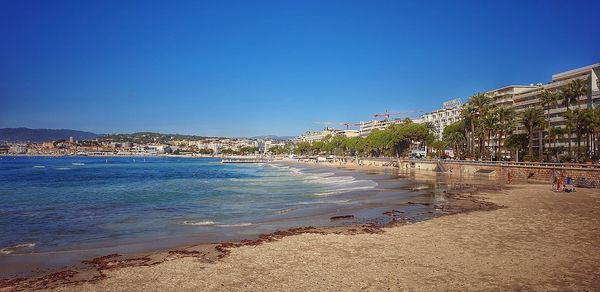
x=284, y=211
x=198, y=223
x=236, y=225
x=339, y=202
x=39, y=166
x=63, y=168
x=78, y=163
x=14, y=248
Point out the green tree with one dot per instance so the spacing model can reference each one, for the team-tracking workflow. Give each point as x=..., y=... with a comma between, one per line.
x=517, y=142
x=506, y=117
x=549, y=99
x=378, y=142
x=595, y=129
x=439, y=147
x=478, y=107
x=489, y=124
x=456, y=140
x=580, y=120
x=248, y=150
x=317, y=147
x=570, y=95
x=401, y=136
x=532, y=118
x=277, y=150
x=302, y=148
x=468, y=113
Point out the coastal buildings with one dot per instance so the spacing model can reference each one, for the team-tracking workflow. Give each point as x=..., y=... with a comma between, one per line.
x=590, y=75
x=311, y=136
x=440, y=118
x=365, y=128
x=18, y=149
x=265, y=145
x=518, y=97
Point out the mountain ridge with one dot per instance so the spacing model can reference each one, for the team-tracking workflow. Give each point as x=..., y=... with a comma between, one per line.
x=27, y=135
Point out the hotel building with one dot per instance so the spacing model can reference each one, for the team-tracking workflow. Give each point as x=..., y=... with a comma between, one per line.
x=365, y=128
x=310, y=136
x=448, y=114
x=532, y=97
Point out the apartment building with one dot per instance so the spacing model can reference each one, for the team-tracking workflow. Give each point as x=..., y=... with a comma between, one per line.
x=365, y=128
x=448, y=114
x=532, y=97
x=313, y=136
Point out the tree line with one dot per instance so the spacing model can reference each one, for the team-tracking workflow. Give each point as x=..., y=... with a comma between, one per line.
x=395, y=140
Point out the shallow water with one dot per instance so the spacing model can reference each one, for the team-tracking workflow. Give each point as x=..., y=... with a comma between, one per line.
x=56, y=211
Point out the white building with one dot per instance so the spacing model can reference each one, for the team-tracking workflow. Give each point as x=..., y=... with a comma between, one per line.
x=365, y=128
x=448, y=114
x=265, y=145
x=18, y=149
x=532, y=97
x=310, y=136
x=316, y=136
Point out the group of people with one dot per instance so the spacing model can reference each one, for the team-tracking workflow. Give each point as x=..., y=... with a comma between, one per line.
x=562, y=184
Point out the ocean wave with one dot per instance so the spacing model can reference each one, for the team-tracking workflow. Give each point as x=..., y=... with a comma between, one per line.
x=198, y=223
x=339, y=202
x=63, y=168
x=236, y=225
x=336, y=180
x=16, y=248
x=78, y=163
x=325, y=194
x=39, y=166
x=284, y=211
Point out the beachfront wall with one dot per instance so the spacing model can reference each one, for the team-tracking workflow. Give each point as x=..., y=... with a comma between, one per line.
x=519, y=171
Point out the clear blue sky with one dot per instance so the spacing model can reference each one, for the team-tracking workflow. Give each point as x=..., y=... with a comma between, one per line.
x=244, y=68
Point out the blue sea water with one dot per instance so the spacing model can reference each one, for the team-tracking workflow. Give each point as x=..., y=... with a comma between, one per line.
x=52, y=204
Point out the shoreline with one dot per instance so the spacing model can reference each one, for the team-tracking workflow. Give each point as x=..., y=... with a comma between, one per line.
x=211, y=252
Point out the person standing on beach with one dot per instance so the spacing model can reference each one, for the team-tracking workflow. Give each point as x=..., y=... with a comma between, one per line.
x=509, y=177
x=554, y=180
x=559, y=183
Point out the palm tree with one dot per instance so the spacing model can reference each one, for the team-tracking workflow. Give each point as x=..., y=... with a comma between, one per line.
x=581, y=121
x=468, y=113
x=532, y=118
x=506, y=124
x=489, y=124
x=573, y=91
x=549, y=98
x=480, y=104
x=555, y=133
x=570, y=96
x=456, y=141
x=596, y=128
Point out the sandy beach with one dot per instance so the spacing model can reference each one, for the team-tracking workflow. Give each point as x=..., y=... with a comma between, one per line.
x=540, y=240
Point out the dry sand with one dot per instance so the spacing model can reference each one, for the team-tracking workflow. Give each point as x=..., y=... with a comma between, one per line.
x=541, y=241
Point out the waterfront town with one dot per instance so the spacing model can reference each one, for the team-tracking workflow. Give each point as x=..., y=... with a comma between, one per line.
x=300, y=146
x=555, y=121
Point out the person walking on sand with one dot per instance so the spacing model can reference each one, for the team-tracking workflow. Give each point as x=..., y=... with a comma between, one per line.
x=509, y=177
x=559, y=184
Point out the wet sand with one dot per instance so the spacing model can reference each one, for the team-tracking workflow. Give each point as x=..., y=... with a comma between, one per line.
x=538, y=240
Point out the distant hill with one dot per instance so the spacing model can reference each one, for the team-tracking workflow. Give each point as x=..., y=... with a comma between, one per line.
x=151, y=137
x=273, y=137
x=15, y=135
